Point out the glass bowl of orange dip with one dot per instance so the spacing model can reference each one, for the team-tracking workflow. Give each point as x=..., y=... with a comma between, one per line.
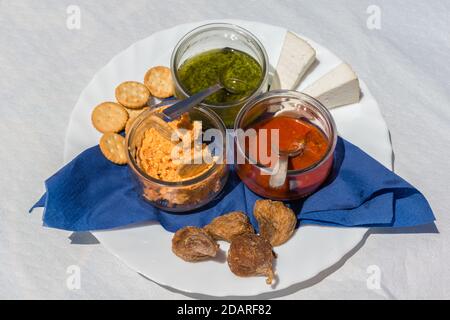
x=279, y=120
x=152, y=164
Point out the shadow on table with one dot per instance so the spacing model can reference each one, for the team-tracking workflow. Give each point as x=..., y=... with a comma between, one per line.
x=86, y=237
x=427, y=228
x=83, y=238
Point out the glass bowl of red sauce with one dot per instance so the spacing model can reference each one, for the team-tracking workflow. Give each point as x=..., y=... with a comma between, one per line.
x=281, y=121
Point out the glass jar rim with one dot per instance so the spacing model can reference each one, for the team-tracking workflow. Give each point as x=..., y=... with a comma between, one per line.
x=134, y=165
x=229, y=26
x=299, y=96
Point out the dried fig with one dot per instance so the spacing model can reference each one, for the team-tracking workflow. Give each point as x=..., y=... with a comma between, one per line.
x=229, y=225
x=276, y=221
x=251, y=255
x=193, y=244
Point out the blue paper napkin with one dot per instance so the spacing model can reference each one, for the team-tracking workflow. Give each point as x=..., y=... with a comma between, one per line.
x=91, y=193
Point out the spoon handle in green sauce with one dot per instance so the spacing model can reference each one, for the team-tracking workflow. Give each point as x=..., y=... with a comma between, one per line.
x=175, y=111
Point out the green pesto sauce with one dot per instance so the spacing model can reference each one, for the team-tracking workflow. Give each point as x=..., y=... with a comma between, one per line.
x=219, y=65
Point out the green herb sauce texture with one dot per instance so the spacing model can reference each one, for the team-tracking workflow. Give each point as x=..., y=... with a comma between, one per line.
x=206, y=69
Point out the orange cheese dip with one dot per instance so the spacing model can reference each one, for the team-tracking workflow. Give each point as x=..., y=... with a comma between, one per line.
x=156, y=152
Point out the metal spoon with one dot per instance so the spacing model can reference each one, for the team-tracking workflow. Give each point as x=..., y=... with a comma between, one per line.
x=175, y=111
x=232, y=85
x=197, y=165
x=163, y=127
x=278, y=177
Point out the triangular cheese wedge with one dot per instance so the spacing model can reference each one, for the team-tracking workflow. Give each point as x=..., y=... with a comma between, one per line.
x=295, y=59
x=338, y=87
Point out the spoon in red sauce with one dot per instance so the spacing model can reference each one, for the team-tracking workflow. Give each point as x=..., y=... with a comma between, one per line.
x=278, y=178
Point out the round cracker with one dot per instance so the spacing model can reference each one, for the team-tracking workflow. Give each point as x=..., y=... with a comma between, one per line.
x=159, y=81
x=113, y=147
x=109, y=117
x=132, y=115
x=132, y=94
x=129, y=124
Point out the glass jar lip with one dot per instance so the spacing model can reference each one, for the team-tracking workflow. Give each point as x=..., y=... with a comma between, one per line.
x=211, y=26
x=302, y=97
x=137, y=169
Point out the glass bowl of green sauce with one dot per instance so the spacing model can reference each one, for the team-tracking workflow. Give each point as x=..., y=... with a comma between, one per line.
x=215, y=53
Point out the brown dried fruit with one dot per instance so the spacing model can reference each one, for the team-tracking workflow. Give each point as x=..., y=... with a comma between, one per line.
x=229, y=225
x=251, y=255
x=276, y=221
x=193, y=244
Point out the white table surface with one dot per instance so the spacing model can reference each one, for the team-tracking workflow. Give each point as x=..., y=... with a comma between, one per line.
x=44, y=66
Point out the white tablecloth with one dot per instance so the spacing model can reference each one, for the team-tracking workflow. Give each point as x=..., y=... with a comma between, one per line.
x=44, y=66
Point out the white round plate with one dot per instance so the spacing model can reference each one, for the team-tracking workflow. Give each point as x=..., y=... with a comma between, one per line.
x=146, y=248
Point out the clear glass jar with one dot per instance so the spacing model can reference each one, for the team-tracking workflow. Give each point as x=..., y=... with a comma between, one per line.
x=218, y=36
x=299, y=183
x=183, y=195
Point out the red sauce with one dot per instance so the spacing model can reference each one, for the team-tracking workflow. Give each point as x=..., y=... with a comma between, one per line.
x=291, y=132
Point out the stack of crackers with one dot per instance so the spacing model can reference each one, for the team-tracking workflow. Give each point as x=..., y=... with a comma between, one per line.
x=111, y=118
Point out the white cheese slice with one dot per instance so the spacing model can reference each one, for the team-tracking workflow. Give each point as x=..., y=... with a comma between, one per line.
x=338, y=87
x=295, y=59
